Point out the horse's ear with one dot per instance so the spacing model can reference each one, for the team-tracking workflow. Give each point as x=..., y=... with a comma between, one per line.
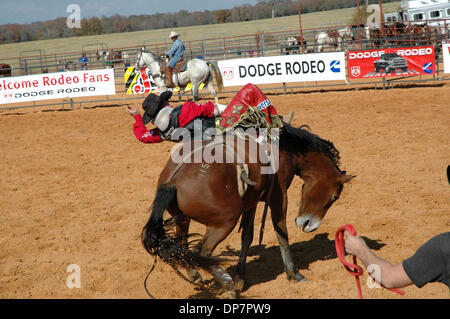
x=346, y=178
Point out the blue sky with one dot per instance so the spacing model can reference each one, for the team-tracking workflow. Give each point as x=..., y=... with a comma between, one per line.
x=27, y=11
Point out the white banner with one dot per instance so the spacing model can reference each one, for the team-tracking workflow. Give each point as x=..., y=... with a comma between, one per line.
x=287, y=68
x=57, y=85
x=446, y=54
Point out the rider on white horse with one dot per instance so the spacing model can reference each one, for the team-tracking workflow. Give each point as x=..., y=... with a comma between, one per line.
x=175, y=54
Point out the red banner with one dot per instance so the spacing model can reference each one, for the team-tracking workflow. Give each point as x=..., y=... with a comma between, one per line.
x=391, y=62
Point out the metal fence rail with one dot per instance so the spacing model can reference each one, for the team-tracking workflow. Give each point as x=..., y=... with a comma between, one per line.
x=280, y=88
x=218, y=46
x=221, y=47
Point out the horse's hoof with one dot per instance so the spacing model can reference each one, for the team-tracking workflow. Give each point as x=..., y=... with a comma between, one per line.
x=298, y=277
x=194, y=276
x=239, y=283
x=231, y=294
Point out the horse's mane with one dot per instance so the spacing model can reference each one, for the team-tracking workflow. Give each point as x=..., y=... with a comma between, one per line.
x=149, y=52
x=301, y=140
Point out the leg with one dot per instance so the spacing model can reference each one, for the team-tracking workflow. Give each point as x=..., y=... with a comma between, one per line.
x=195, y=87
x=213, y=90
x=168, y=75
x=211, y=239
x=247, y=223
x=278, y=208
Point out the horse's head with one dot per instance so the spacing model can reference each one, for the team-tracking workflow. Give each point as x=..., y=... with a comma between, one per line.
x=316, y=161
x=290, y=41
x=146, y=59
x=139, y=61
x=346, y=33
x=323, y=184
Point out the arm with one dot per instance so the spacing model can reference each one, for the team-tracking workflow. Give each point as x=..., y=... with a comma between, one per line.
x=139, y=129
x=173, y=49
x=391, y=275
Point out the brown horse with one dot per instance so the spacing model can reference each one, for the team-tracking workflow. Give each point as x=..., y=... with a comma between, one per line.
x=113, y=58
x=389, y=34
x=209, y=194
x=376, y=37
x=432, y=35
x=5, y=69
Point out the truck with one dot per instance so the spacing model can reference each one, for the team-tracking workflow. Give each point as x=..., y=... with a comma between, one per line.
x=390, y=62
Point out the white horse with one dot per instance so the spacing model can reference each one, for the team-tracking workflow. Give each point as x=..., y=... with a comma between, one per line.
x=343, y=36
x=334, y=38
x=322, y=40
x=197, y=72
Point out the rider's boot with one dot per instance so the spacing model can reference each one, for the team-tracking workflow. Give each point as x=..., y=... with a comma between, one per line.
x=169, y=82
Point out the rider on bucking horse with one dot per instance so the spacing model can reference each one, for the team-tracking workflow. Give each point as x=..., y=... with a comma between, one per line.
x=249, y=108
x=176, y=54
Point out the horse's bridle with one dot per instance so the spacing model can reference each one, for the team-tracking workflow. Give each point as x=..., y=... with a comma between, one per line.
x=138, y=60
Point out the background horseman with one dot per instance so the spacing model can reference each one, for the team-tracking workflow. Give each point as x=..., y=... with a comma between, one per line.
x=176, y=54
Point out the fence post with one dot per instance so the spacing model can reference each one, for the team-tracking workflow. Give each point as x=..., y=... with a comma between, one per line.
x=261, y=41
x=436, y=53
x=258, y=45
x=203, y=50
x=71, y=104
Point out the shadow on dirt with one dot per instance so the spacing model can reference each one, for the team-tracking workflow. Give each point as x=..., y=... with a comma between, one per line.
x=264, y=264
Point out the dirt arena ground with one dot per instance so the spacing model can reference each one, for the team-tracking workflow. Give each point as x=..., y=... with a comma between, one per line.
x=76, y=186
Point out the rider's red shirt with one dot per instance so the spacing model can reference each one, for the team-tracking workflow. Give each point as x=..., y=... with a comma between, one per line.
x=189, y=111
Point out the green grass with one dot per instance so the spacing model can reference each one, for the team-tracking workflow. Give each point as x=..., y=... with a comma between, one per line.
x=131, y=39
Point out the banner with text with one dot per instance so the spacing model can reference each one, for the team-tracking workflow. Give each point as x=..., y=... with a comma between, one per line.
x=446, y=55
x=286, y=68
x=391, y=62
x=57, y=85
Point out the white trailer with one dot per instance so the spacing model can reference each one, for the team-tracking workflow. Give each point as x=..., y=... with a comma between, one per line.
x=420, y=11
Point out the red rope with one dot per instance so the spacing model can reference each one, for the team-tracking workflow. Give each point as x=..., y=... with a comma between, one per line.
x=352, y=268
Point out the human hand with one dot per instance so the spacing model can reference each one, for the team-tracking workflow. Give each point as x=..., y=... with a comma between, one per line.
x=132, y=110
x=354, y=245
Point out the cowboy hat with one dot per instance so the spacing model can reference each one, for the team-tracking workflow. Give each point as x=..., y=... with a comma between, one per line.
x=152, y=104
x=174, y=34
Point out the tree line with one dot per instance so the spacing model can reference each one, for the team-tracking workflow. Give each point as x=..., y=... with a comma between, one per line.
x=264, y=9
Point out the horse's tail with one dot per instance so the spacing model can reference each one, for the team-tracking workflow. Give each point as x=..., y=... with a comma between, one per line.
x=218, y=74
x=158, y=239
